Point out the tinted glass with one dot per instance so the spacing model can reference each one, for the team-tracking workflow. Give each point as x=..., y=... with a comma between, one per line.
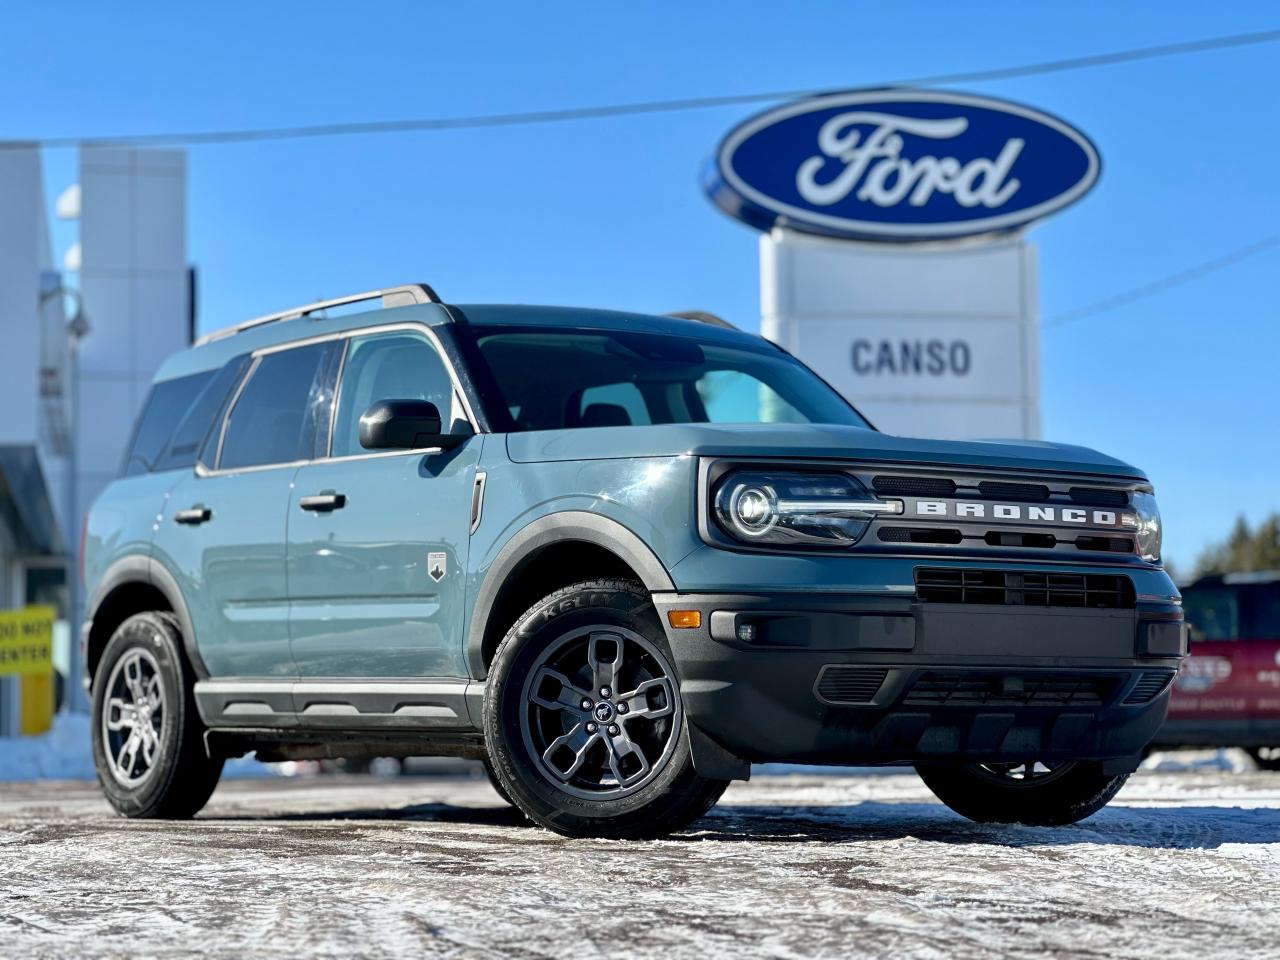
x=272, y=420
x=389, y=366
x=1233, y=612
x=166, y=406
x=189, y=437
x=549, y=378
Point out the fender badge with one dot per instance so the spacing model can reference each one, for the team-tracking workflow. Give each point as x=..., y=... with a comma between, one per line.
x=437, y=565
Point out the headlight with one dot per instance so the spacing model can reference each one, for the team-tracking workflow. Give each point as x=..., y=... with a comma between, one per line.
x=1149, y=533
x=797, y=509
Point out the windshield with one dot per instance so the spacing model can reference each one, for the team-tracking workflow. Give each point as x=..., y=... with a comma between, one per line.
x=549, y=378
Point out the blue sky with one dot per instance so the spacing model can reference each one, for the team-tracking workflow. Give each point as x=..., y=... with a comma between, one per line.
x=609, y=212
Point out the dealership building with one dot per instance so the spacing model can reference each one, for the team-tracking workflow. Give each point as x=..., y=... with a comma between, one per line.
x=82, y=332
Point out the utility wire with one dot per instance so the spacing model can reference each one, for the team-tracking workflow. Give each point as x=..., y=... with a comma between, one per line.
x=477, y=121
x=1127, y=297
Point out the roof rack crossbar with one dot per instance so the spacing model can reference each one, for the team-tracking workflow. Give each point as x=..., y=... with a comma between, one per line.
x=400, y=296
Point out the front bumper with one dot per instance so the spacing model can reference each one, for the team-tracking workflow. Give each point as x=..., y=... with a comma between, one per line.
x=817, y=678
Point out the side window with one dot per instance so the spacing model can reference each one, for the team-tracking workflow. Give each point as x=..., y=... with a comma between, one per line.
x=166, y=405
x=272, y=420
x=400, y=365
x=193, y=430
x=1214, y=614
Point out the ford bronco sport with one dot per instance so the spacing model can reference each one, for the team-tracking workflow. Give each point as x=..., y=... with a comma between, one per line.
x=620, y=558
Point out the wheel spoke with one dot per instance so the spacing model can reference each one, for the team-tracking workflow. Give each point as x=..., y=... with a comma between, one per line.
x=119, y=715
x=133, y=678
x=576, y=740
x=652, y=699
x=568, y=697
x=621, y=750
x=604, y=654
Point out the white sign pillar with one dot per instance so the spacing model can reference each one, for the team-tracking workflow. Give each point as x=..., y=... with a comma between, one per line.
x=928, y=340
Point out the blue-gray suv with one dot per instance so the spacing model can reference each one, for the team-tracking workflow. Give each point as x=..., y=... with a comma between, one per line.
x=619, y=558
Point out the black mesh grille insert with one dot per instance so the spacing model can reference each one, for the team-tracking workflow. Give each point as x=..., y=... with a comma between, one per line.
x=915, y=486
x=918, y=535
x=1014, y=491
x=966, y=689
x=1105, y=544
x=1030, y=589
x=1099, y=498
x=840, y=684
x=1148, y=687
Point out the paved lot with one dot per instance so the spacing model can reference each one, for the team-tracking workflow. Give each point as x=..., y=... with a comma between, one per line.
x=1181, y=865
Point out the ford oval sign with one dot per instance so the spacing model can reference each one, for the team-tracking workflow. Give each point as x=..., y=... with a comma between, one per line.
x=900, y=165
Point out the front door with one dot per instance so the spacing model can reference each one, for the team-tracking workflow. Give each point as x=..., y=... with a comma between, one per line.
x=378, y=541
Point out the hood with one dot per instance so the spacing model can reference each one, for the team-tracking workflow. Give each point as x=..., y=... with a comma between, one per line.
x=808, y=441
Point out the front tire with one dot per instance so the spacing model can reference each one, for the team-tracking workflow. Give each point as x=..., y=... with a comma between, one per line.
x=148, y=740
x=584, y=722
x=1031, y=793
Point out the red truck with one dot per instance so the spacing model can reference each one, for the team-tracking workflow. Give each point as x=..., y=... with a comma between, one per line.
x=1227, y=693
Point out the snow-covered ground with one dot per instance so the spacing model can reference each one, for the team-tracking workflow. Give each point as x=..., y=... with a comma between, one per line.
x=1182, y=864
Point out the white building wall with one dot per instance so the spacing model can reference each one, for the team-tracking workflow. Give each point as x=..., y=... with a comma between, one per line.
x=937, y=340
x=134, y=282
x=21, y=225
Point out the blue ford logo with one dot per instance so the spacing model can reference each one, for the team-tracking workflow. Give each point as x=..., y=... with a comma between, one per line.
x=900, y=165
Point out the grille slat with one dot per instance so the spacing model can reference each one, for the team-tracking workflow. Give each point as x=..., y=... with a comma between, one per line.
x=1004, y=490
x=840, y=684
x=915, y=486
x=1024, y=588
x=1148, y=687
x=1095, y=497
x=960, y=689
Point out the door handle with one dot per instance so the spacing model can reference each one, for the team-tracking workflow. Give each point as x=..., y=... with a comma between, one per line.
x=323, y=502
x=194, y=516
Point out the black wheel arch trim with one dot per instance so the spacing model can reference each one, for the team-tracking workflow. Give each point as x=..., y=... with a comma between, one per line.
x=568, y=527
x=138, y=568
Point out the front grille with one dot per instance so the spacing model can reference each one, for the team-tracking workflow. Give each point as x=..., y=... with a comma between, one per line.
x=840, y=684
x=1024, y=589
x=1148, y=687
x=915, y=486
x=978, y=690
x=1002, y=490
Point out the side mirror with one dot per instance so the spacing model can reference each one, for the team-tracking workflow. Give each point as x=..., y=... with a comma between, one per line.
x=404, y=425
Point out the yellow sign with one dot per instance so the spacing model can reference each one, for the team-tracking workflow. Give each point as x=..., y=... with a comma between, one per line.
x=26, y=641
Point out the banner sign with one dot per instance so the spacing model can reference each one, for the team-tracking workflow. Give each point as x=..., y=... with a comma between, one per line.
x=26, y=641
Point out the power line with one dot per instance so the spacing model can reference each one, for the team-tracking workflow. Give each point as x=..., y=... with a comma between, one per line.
x=1164, y=283
x=567, y=114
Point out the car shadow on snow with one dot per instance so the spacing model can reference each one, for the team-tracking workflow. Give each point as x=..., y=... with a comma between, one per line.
x=1174, y=828
x=1177, y=828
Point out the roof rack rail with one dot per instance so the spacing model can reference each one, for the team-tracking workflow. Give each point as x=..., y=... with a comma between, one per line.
x=702, y=316
x=400, y=296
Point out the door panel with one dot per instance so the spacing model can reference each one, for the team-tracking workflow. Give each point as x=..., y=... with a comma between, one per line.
x=377, y=584
x=231, y=567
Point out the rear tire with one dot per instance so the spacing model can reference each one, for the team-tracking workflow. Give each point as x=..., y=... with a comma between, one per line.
x=1267, y=758
x=1003, y=793
x=148, y=739
x=618, y=766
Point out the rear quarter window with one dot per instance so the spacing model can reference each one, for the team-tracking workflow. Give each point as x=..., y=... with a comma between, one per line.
x=166, y=406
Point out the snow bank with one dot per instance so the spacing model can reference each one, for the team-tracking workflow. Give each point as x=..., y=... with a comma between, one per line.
x=64, y=754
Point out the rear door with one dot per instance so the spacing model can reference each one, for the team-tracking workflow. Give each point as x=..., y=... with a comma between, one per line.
x=378, y=540
x=224, y=529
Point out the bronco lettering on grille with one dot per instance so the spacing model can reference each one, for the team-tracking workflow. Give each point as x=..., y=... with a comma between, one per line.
x=1015, y=512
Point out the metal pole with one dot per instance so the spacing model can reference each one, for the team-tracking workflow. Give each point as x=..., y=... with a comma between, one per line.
x=76, y=701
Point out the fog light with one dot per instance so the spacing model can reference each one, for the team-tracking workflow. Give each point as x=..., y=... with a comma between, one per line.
x=684, y=619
